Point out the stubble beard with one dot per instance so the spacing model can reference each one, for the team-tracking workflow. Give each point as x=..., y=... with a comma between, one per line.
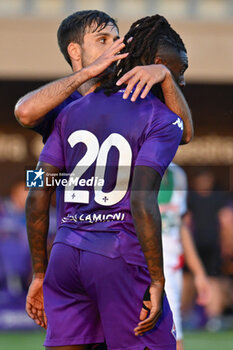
x=102, y=76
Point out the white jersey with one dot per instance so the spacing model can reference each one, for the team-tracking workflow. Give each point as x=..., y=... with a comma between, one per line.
x=173, y=205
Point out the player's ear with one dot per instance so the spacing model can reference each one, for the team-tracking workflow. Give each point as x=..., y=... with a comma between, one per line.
x=74, y=51
x=159, y=60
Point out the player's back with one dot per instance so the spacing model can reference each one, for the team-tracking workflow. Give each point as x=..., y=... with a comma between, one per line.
x=101, y=140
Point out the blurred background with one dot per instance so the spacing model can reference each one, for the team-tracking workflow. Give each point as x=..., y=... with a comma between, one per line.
x=30, y=58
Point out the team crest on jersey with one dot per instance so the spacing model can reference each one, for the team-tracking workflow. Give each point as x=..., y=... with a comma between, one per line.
x=173, y=330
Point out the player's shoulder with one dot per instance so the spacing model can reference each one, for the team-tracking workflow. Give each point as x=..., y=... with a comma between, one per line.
x=158, y=105
x=74, y=97
x=162, y=114
x=68, y=105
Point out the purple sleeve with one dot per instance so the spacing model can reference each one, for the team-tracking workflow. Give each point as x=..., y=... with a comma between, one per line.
x=53, y=152
x=46, y=126
x=161, y=143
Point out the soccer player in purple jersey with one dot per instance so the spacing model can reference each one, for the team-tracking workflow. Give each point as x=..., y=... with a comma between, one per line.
x=78, y=36
x=97, y=269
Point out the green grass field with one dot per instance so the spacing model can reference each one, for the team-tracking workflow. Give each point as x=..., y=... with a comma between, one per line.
x=193, y=341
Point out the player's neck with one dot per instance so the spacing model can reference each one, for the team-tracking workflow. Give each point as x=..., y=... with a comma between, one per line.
x=89, y=86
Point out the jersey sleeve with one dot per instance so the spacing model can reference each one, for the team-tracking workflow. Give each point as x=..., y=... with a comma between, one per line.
x=161, y=141
x=46, y=125
x=53, y=151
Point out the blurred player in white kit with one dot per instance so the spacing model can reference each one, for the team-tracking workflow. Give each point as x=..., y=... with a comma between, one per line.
x=178, y=245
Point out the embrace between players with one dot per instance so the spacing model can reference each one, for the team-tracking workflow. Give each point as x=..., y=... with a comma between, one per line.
x=94, y=123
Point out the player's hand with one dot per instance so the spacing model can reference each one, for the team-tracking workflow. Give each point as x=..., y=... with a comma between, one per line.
x=150, y=316
x=143, y=77
x=203, y=289
x=35, y=302
x=106, y=59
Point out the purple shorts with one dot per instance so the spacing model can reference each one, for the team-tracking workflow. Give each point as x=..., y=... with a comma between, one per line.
x=90, y=298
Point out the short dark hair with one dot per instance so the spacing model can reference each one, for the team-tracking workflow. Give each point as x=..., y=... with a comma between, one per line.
x=73, y=27
x=149, y=34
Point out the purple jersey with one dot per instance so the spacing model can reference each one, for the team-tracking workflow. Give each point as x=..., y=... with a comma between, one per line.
x=46, y=126
x=99, y=140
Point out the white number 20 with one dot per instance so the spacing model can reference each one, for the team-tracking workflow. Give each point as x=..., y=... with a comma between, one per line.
x=100, y=154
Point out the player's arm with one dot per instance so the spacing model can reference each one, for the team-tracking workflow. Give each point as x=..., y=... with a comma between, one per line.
x=177, y=103
x=37, y=218
x=147, y=222
x=31, y=108
x=195, y=265
x=147, y=76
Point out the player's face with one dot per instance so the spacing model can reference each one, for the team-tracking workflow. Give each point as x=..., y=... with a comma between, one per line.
x=95, y=43
x=176, y=62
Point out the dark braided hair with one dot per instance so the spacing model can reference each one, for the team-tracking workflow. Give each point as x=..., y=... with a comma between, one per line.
x=149, y=34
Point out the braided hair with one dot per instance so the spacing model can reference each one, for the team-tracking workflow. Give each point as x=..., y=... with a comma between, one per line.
x=148, y=35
